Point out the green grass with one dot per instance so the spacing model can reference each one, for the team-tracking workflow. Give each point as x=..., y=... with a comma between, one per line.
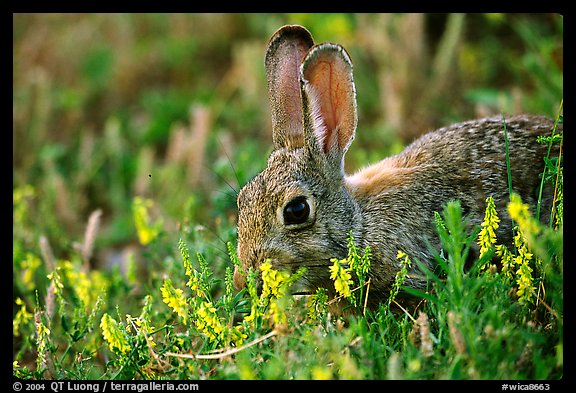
x=470, y=324
x=133, y=133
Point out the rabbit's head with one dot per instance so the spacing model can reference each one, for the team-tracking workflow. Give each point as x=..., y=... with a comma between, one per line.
x=297, y=212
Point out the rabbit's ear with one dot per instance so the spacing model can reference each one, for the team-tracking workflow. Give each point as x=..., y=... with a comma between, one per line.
x=286, y=51
x=330, y=114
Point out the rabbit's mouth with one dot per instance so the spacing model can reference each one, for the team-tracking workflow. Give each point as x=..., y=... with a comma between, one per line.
x=306, y=285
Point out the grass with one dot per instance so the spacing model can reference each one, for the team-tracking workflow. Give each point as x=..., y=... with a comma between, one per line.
x=132, y=134
x=470, y=324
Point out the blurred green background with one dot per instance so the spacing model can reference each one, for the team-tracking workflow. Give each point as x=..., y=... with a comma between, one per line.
x=174, y=107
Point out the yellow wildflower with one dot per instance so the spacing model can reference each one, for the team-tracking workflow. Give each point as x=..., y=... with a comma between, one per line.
x=88, y=286
x=253, y=314
x=487, y=235
x=318, y=304
x=507, y=260
x=524, y=278
x=520, y=212
x=277, y=313
x=116, y=338
x=22, y=317
x=274, y=287
x=208, y=322
x=272, y=280
x=57, y=280
x=194, y=282
x=42, y=341
x=238, y=336
x=341, y=277
x=400, y=277
x=518, y=266
x=525, y=288
x=174, y=298
x=145, y=228
x=515, y=207
x=29, y=267
x=58, y=288
x=321, y=373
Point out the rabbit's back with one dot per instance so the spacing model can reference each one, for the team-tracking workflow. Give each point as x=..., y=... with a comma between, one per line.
x=471, y=154
x=467, y=161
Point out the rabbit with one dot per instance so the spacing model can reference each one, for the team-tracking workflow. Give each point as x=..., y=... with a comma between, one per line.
x=300, y=209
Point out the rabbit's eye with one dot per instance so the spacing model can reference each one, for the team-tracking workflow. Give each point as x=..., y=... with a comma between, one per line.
x=296, y=211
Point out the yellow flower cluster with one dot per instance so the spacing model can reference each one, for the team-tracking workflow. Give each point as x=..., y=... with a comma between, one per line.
x=526, y=289
x=175, y=299
x=58, y=287
x=513, y=265
x=520, y=212
x=141, y=324
x=400, y=277
x=275, y=285
x=238, y=335
x=208, y=322
x=22, y=317
x=194, y=281
x=318, y=304
x=116, y=338
x=341, y=277
x=507, y=259
x=57, y=280
x=321, y=373
x=42, y=337
x=87, y=286
x=487, y=235
x=559, y=215
x=199, y=308
x=527, y=225
x=356, y=264
x=145, y=228
x=272, y=281
x=29, y=266
x=195, y=284
x=524, y=278
x=274, y=288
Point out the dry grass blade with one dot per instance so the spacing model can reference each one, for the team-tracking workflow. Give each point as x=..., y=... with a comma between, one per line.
x=90, y=237
x=455, y=334
x=424, y=328
x=47, y=253
x=225, y=351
